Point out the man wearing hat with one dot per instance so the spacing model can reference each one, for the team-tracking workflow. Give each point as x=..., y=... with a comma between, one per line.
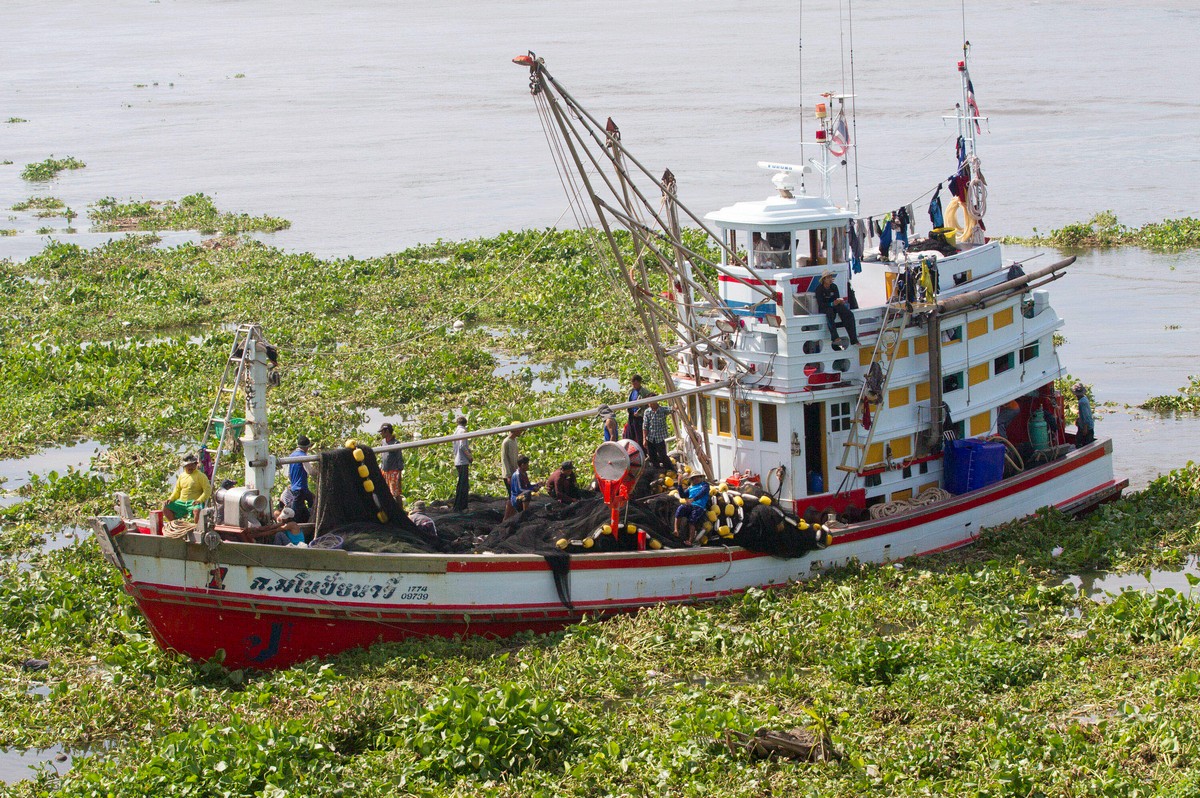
x=192, y=490
x=830, y=302
x=694, y=507
x=1085, y=426
x=301, y=498
x=392, y=465
x=562, y=485
x=509, y=452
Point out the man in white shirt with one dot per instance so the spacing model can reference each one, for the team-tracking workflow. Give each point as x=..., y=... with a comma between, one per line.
x=462, y=463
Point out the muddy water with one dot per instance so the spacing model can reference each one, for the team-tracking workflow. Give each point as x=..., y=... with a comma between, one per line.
x=1102, y=586
x=375, y=125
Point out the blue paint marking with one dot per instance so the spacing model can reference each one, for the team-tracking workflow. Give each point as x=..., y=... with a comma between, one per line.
x=272, y=645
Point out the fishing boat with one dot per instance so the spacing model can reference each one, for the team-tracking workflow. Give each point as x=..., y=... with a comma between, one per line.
x=934, y=416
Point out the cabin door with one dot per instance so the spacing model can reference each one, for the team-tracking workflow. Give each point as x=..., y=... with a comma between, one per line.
x=814, y=447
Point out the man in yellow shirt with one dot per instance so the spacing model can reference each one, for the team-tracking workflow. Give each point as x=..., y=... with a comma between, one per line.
x=192, y=490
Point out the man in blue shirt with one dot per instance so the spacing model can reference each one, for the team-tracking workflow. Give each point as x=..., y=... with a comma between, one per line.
x=694, y=508
x=635, y=413
x=520, y=489
x=302, y=499
x=1085, y=426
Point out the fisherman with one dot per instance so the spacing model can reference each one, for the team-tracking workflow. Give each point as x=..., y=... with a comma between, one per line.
x=633, y=430
x=562, y=485
x=192, y=490
x=612, y=430
x=392, y=465
x=301, y=499
x=462, y=464
x=419, y=517
x=289, y=533
x=520, y=489
x=654, y=422
x=509, y=452
x=1005, y=416
x=830, y=302
x=694, y=508
x=1085, y=425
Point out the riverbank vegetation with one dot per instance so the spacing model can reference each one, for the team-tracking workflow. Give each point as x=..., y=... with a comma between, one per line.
x=1104, y=230
x=976, y=673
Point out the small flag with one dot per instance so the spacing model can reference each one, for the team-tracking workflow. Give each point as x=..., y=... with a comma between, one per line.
x=971, y=104
x=841, y=135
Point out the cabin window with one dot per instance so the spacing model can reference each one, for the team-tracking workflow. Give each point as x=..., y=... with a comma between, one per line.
x=768, y=423
x=952, y=382
x=812, y=347
x=952, y=335
x=907, y=472
x=1030, y=352
x=772, y=251
x=813, y=249
x=923, y=467
x=745, y=421
x=842, y=364
x=724, y=422
x=839, y=416
x=1004, y=363
x=960, y=429
x=874, y=480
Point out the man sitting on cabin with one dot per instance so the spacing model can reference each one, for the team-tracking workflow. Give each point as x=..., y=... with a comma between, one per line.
x=520, y=489
x=694, y=508
x=830, y=302
x=192, y=490
x=562, y=485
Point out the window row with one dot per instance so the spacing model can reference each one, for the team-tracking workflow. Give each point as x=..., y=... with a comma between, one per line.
x=737, y=418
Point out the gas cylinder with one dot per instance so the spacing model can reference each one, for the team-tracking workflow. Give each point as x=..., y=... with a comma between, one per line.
x=1039, y=433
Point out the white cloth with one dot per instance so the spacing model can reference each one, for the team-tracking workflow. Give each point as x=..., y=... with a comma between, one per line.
x=462, y=449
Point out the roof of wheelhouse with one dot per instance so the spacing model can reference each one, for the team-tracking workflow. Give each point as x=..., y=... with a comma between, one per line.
x=779, y=214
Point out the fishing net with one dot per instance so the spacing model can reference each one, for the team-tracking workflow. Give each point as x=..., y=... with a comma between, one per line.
x=547, y=528
x=345, y=509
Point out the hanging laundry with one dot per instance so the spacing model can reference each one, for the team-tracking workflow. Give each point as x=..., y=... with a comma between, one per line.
x=862, y=232
x=885, y=239
x=856, y=250
x=935, y=209
x=912, y=220
x=960, y=151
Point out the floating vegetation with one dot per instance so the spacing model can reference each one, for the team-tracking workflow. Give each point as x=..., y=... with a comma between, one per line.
x=49, y=168
x=971, y=674
x=1187, y=401
x=15, y=120
x=1104, y=230
x=193, y=212
x=44, y=204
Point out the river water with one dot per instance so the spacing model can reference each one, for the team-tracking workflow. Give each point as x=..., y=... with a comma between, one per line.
x=375, y=125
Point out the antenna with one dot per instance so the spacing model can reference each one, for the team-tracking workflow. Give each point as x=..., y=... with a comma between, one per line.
x=800, y=69
x=853, y=108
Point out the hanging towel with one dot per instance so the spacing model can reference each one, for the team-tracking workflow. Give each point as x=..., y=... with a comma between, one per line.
x=856, y=250
x=912, y=220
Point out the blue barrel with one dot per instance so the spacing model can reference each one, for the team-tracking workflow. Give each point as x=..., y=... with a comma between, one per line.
x=972, y=464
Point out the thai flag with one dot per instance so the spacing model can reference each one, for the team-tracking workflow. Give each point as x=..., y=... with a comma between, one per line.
x=840, y=141
x=971, y=104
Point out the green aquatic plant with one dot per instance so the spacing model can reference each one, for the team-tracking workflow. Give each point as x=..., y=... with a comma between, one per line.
x=1104, y=230
x=40, y=204
x=1187, y=401
x=14, y=120
x=49, y=168
x=193, y=212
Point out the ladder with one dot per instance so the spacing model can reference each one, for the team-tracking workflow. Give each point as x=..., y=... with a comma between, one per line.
x=231, y=378
x=887, y=343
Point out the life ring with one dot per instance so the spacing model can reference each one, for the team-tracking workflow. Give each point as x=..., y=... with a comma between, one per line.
x=964, y=228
